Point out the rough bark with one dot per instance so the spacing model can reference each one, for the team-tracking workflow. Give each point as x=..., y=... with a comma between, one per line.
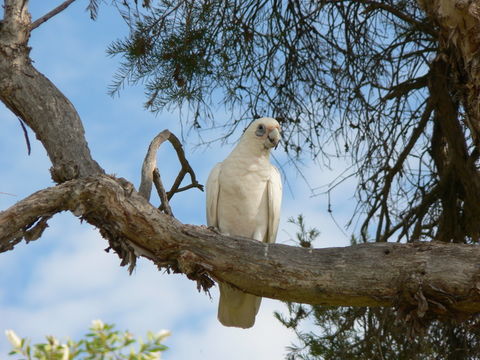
x=38, y=102
x=426, y=279
x=455, y=93
x=459, y=25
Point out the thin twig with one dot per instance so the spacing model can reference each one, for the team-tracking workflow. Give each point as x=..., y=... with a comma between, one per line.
x=50, y=14
x=4, y=193
x=157, y=180
x=186, y=168
x=25, y=133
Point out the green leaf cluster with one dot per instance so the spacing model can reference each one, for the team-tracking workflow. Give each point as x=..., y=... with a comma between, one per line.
x=363, y=333
x=102, y=342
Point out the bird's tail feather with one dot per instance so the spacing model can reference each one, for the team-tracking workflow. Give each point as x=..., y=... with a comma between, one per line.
x=237, y=308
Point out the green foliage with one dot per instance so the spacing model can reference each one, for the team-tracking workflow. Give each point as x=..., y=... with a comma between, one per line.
x=102, y=342
x=320, y=67
x=354, y=333
x=304, y=237
x=92, y=8
x=345, y=79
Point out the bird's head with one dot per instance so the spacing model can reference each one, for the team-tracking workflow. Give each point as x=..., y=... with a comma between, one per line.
x=265, y=130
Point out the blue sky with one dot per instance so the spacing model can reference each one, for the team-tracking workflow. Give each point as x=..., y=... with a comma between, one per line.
x=58, y=284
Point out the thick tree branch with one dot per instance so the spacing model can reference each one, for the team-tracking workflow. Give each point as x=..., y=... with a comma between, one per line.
x=22, y=217
x=421, y=25
x=14, y=29
x=439, y=279
x=34, y=99
x=52, y=117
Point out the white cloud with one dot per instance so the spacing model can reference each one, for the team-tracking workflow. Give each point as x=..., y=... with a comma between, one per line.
x=266, y=340
x=76, y=282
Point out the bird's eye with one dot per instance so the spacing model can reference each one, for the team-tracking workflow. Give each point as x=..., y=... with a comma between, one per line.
x=260, y=130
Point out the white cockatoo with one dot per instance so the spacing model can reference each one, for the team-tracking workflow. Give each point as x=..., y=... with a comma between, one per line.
x=244, y=195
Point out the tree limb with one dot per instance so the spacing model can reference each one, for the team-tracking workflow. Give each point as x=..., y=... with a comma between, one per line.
x=14, y=31
x=38, y=102
x=446, y=276
x=165, y=205
x=421, y=25
x=405, y=87
x=51, y=14
x=186, y=169
x=150, y=164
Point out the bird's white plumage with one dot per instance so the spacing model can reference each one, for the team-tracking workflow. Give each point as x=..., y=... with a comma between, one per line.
x=244, y=194
x=212, y=190
x=274, y=204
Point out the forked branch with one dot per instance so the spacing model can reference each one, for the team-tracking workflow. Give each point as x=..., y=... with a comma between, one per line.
x=150, y=173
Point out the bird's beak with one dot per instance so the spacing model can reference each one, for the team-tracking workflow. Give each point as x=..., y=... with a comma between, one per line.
x=273, y=138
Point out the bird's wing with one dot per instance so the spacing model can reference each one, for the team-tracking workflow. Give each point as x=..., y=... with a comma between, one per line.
x=274, y=188
x=212, y=190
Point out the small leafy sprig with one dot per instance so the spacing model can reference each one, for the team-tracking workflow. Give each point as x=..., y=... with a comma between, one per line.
x=102, y=342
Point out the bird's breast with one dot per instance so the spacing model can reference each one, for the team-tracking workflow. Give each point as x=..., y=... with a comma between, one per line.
x=242, y=202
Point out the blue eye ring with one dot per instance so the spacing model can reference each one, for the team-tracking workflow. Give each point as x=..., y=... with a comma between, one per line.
x=260, y=130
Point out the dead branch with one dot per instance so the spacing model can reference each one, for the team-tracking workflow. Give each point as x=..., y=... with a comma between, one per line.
x=186, y=169
x=50, y=14
x=150, y=163
x=150, y=166
x=157, y=180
